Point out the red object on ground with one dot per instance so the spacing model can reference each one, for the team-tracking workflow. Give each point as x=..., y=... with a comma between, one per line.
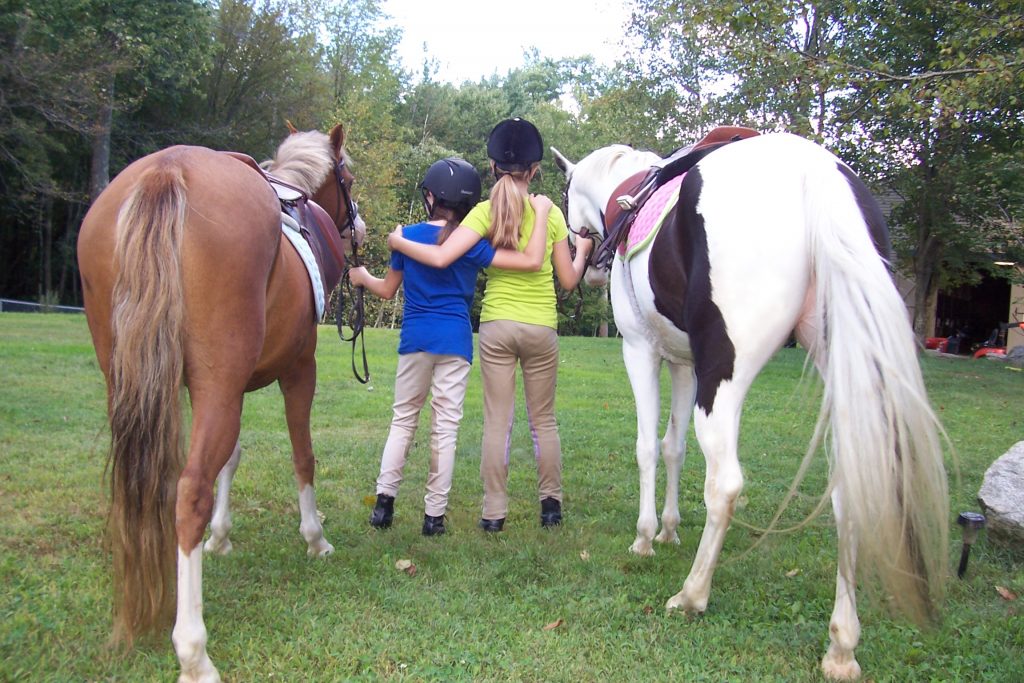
x=938, y=343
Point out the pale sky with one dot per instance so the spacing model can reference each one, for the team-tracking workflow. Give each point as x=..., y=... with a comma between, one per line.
x=474, y=39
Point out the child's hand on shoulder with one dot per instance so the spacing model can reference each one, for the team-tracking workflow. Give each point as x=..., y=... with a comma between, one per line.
x=540, y=203
x=396, y=234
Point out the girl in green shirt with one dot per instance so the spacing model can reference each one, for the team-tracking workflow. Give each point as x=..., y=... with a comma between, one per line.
x=518, y=320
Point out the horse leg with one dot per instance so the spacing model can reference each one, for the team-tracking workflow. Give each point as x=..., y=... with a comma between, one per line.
x=673, y=448
x=220, y=524
x=298, y=387
x=844, y=626
x=642, y=366
x=215, y=426
x=717, y=433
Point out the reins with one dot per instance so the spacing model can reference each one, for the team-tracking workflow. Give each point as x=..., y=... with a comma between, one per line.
x=357, y=315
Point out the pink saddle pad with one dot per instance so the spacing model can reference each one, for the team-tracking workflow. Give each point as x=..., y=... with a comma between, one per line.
x=652, y=213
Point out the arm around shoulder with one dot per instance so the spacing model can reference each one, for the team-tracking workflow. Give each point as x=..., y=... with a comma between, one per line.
x=436, y=255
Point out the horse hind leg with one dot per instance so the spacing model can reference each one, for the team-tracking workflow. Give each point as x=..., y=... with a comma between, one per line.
x=673, y=448
x=298, y=387
x=215, y=427
x=642, y=367
x=717, y=434
x=839, y=662
x=220, y=524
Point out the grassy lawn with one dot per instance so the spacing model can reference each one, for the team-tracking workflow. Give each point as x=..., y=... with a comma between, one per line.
x=477, y=605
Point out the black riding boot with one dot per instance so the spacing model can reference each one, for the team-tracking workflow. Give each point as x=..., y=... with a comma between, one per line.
x=433, y=526
x=550, y=512
x=383, y=511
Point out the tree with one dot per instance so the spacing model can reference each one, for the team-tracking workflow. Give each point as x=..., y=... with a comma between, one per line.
x=67, y=68
x=919, y=97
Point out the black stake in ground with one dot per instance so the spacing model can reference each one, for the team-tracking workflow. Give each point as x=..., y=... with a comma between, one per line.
x=972, y=522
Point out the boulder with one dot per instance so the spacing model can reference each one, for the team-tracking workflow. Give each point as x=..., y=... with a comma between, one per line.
x=1002, y=497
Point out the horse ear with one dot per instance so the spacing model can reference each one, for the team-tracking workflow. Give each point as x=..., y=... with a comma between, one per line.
x=337, y=139
x=563, y=163
x=291, y=129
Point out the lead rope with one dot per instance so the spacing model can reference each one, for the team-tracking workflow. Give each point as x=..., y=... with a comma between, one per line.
x=356, y=319
x=357, y=316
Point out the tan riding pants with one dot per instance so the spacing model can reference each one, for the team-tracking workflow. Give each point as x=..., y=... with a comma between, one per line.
x=445, y=377
x=503, y=344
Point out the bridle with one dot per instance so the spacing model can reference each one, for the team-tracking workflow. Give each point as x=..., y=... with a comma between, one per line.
x=582, y=232
x=357, y=316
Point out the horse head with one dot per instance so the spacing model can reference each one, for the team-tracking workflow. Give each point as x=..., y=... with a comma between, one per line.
x=336, y=197
x=589, y=184
x=318, y=164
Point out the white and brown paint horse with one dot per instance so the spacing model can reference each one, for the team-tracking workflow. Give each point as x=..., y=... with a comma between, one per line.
x=188, y=282
x=774, y=234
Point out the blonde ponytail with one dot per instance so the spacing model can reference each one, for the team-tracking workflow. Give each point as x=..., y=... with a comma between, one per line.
x=508, y=203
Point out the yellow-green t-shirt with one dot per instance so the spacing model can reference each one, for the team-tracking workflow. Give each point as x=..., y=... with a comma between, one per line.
x=515, y=295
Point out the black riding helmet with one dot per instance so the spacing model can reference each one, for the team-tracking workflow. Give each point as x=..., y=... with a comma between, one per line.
x=515, y=145
x=453, y=182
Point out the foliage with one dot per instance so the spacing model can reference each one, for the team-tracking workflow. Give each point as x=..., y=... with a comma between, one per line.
x=262, y=71
x=922, y=98
x=477, y=606
x=66, y=69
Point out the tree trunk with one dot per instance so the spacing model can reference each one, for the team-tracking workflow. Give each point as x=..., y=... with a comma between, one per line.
x=46, y=250
x=926, y=287
x=99, y=175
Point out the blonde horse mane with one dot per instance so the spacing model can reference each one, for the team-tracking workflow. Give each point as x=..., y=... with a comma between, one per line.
x=304, y=160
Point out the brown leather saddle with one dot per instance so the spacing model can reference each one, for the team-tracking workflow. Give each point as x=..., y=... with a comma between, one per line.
x=315, y=225
x=631, y=194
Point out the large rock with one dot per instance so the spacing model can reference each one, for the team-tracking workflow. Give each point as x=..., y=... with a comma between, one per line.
x=1002, y=497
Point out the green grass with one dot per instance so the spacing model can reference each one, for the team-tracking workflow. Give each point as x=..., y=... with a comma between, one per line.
x=477, y=605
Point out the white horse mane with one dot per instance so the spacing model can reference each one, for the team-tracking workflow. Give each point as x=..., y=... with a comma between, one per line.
x=304, y=160
x=602, y=161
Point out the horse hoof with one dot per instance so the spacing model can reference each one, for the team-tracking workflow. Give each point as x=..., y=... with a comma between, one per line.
x=207, y=678
x=667, y=537
x=217, y=546
x=642, y=547
x=840, y=671
x=204, y=672
x=682, y=602
x=322, y=549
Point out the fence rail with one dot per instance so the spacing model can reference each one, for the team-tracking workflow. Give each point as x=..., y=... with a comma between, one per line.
x=15, y=306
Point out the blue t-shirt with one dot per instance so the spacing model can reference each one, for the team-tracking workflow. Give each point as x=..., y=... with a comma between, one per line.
x=437, y=300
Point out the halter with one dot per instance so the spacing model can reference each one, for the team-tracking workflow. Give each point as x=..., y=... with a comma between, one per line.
x=357, y=316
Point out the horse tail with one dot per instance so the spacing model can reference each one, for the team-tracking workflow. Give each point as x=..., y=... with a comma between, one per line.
x=885, y=450
x=145, y=384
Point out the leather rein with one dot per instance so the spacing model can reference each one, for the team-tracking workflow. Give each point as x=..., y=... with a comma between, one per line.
x=356, y=318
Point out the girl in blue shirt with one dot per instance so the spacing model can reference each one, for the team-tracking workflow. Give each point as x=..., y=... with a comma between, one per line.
x=436, y=340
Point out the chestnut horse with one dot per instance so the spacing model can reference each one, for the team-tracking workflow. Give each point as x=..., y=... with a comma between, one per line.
x=769, y=235
x=188, y=282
